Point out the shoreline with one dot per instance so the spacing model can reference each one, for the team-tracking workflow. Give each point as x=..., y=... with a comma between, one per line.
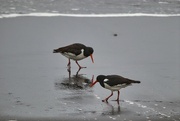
x=87, y=15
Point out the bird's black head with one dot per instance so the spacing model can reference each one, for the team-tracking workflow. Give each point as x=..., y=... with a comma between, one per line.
x=100, y=78
x=88, y=51
x=55, y=51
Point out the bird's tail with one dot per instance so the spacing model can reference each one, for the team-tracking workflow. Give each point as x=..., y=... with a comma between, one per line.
x=134, y=81
x=56, y=51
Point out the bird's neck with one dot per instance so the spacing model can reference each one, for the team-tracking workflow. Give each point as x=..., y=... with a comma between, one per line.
x=86, y=52
x=102, y=83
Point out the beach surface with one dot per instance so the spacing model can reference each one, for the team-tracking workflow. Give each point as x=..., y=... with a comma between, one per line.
x=35, y=83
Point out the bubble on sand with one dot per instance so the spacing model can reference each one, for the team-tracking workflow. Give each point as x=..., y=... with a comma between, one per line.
x=12, y=8
x=75, y=9
x=97, y=96
x=143, y=106
x=79, y=109
x=130, y=102
x=55, y=11
x=156, y=104
x=63, y=103
x=112, y=118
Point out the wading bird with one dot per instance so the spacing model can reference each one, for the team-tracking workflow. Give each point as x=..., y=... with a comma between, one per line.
x=113, y=83
x=75, y=52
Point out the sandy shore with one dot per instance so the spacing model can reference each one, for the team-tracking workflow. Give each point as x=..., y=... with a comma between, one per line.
x=34, y=82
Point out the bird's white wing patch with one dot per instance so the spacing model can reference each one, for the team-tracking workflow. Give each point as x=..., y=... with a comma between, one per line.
x=82, y=50
x=105, y=80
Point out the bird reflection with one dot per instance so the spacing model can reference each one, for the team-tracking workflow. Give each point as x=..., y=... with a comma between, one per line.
x=112, y=110
x=69, y=72
x=74, y=82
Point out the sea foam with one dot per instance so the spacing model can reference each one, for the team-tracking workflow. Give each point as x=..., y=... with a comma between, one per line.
x=86, y=15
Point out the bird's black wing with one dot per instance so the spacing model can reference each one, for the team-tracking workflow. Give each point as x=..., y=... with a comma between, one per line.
x=74, y=48
x=115, y=80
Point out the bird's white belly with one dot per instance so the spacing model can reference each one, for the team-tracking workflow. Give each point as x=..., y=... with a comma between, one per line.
x=73, y=56
x=116, y=87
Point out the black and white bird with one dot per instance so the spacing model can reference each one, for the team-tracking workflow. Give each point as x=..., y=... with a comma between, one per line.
x=113, y=83
x=75, y=52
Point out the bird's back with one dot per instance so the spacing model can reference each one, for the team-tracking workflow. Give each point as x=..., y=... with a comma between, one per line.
x=116, y=80
x=73, y=48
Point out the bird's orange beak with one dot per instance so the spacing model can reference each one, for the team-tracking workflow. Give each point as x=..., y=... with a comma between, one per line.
x=92, y=58
x=93, y=83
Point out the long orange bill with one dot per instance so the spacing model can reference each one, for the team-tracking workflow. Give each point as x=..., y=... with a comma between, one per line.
x=93, y=83
x=92, y=58
x=92, y=79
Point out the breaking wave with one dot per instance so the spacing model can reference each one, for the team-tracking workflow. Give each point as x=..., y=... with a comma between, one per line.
x=86, y=15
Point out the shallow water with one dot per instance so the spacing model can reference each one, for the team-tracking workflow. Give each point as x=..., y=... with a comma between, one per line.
x=35, y=83
x=90, y=6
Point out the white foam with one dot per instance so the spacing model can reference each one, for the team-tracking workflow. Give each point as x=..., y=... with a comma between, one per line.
x=86, y=15
x=148, y=108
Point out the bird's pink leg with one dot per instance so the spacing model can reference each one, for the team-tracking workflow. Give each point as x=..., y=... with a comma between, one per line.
x=78, y=72
x=117, y=96
x=108, y=97
x=69, y=67
x=69, y=64
x=79, y=65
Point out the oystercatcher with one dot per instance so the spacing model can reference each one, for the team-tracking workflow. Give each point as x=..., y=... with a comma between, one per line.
x=75, y=52
x=113, y=83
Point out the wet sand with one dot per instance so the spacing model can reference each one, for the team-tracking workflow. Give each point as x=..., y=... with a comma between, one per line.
x=35, y=83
